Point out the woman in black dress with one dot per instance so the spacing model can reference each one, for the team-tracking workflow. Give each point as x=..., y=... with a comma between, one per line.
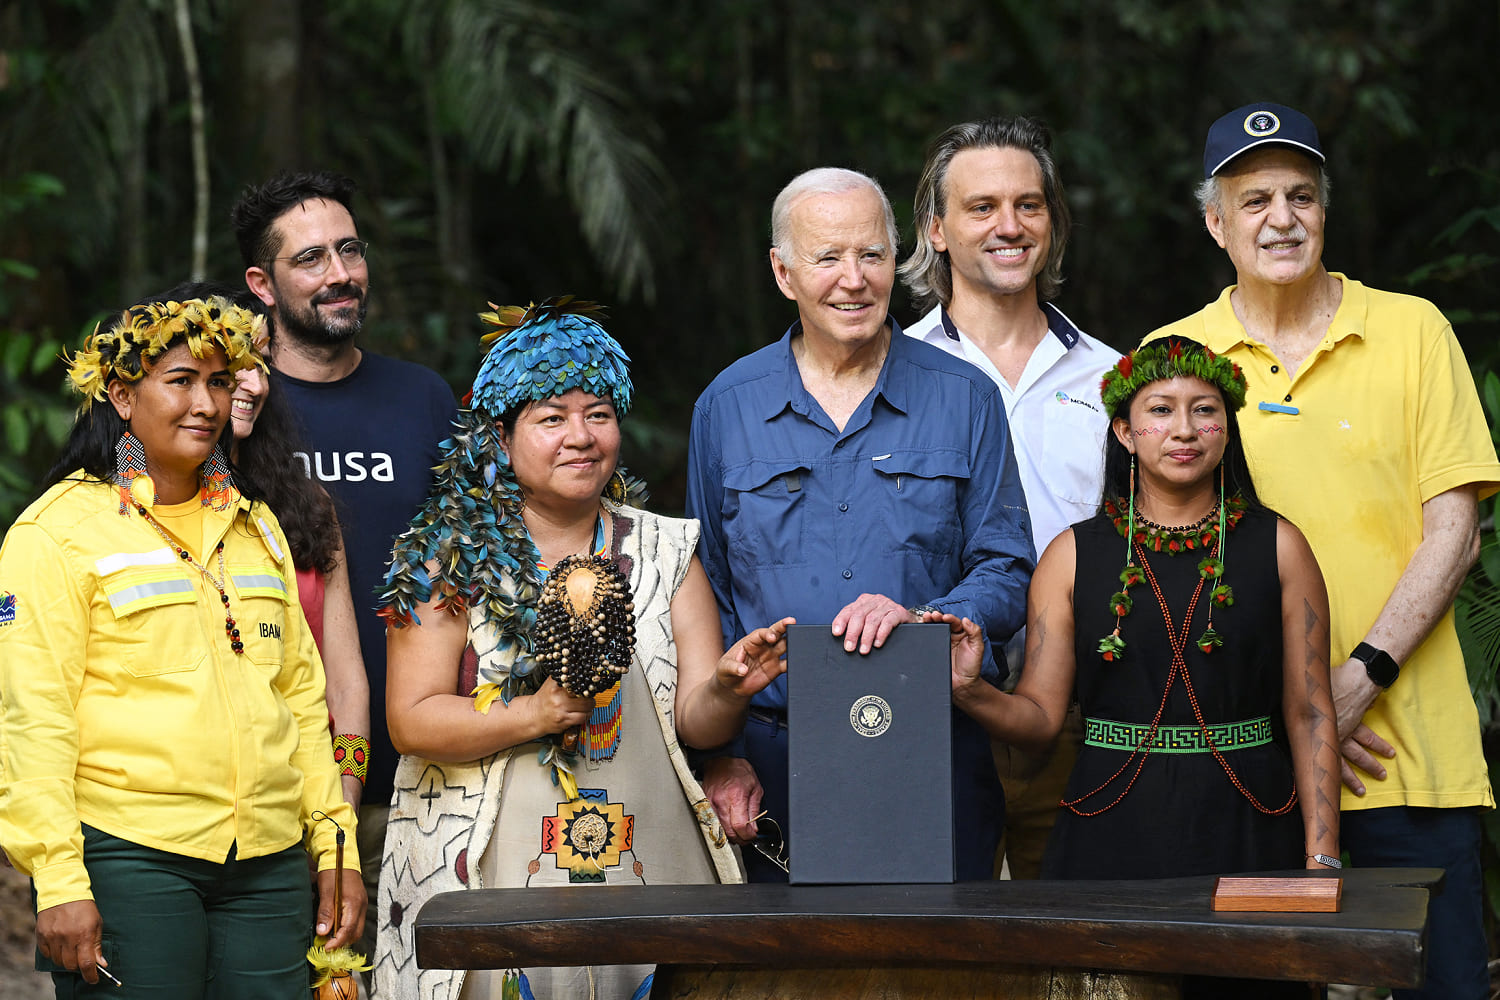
x=1198, y=651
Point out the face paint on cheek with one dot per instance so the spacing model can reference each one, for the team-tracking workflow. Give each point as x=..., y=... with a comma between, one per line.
x=1151, y=431
x=1211, y=429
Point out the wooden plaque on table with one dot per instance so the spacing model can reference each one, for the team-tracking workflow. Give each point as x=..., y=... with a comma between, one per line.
x=870, y=758
x=1310, y=894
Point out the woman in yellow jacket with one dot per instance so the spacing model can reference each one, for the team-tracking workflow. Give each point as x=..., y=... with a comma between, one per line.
x=163, y=731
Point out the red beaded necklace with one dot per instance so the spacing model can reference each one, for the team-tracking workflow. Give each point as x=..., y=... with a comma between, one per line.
x=1205, y=534
x=1178, y=640
x=230, y=629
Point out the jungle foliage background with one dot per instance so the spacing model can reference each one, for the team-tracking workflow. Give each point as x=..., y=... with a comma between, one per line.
x=628, y=151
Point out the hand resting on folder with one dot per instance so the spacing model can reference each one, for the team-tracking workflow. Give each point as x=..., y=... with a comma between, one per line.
x=868, y=620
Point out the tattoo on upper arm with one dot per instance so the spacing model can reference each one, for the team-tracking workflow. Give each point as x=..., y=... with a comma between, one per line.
x=1036, y=630
x=1310, y=628
x=1313, y=682
x=1311, y=677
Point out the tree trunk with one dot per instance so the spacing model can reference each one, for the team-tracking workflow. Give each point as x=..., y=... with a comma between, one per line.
x=199, y=142
x=268, y=70
x=752, y=242
x=133, y=215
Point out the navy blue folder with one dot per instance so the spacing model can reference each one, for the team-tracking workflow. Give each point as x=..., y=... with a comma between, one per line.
x=870, y=758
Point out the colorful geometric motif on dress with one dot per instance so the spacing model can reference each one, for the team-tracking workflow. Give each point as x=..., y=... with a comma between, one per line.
x=588, y=834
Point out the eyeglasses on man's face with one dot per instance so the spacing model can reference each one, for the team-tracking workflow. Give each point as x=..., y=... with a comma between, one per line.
x=315, y=260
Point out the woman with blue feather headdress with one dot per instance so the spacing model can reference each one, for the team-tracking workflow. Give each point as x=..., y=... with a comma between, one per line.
x=551, y=644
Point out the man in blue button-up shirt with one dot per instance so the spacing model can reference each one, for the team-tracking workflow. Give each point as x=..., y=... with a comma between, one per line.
x=850, y=474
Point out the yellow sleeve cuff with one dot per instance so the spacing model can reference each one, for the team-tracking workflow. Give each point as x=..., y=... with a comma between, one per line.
x=324, y=839
x=61, y=883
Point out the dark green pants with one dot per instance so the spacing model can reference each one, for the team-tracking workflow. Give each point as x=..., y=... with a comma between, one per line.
x=177, y=928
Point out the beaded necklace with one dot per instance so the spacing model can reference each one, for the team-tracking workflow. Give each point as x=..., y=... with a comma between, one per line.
x=230, y=628
x=1177, y=638
x=1185, y=530
x=585, y=637
x=1208, y=533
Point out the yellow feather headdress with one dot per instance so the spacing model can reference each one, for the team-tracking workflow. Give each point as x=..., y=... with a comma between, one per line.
x=142, y=333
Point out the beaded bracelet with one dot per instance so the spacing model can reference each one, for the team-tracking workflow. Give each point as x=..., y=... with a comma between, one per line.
x=352, y=753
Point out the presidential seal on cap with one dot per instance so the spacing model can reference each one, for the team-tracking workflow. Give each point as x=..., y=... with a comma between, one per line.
x=1257, y=125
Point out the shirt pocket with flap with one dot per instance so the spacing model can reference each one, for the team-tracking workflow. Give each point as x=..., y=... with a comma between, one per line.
x=261, y=598
x=158, y=624
x=920, y=501
x=765, y=512
x=1071, y=460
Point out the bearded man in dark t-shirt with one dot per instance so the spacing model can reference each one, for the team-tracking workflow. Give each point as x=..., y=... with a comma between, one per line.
x=371, y=425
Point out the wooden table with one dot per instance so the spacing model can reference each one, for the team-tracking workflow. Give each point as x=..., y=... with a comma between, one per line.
x=975, y=939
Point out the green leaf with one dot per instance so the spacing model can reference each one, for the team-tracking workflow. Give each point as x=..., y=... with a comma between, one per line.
x=58, y=423
x=1491, y=387
x=17, y=428
x=17, y=352
x=1489, y=560
x=19, y=269
x=40, y=186
x=48, y=353
x=12, y=478
x=1476, y=615
x=1454, y=232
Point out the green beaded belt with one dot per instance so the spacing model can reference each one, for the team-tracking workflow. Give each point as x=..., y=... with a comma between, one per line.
x=1177, y=739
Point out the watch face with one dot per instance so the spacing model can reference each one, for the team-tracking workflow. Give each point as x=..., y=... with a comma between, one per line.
x=1382, y=669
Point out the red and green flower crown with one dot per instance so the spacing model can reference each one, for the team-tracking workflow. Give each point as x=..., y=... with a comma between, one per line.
x=1169, y=359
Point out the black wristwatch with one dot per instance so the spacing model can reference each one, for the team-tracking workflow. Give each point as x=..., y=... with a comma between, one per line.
x=921, y=609
x=1378, y=664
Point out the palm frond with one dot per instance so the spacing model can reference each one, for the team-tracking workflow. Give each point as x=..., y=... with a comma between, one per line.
x=614, y=183
x=88, y=117
x=517, y=88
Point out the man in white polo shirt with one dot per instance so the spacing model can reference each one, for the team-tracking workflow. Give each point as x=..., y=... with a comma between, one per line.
x=991, y=228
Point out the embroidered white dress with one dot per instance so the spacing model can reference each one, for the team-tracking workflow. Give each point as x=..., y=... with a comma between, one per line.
x=641, y=817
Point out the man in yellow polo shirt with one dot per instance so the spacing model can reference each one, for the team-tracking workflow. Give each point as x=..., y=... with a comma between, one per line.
x=1363, y=427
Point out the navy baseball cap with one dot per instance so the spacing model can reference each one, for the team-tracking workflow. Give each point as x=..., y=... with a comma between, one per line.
x=1257, y=125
